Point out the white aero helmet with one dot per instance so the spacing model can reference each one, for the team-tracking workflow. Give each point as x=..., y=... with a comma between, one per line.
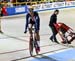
x=30, y=8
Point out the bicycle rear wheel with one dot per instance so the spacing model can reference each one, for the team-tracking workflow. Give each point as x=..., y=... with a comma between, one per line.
x=65, y=40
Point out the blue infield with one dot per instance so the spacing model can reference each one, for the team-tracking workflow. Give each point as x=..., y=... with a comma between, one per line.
x=67, y=55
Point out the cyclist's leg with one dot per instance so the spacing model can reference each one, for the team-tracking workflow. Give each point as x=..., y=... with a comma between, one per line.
x=30, y=30
x=31, y=40
x=37, y=37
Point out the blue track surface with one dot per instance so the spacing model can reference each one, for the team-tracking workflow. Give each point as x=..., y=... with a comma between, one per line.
x=68, y=55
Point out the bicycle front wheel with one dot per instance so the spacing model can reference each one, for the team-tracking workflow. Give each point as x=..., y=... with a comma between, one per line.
x=31, y=47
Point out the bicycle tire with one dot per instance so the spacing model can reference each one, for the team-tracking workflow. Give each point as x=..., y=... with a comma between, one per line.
x=31, y=47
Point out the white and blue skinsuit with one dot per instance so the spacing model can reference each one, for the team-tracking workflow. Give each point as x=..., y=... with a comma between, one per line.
x=36, y=20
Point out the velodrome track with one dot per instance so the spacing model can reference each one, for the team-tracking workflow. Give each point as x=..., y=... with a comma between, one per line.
x=14, y=44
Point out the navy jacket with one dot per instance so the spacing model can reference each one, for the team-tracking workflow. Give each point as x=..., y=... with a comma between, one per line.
x=37, y=21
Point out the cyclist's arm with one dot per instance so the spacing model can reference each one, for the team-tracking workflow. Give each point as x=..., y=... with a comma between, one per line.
x=26, y=26
x=38, y=21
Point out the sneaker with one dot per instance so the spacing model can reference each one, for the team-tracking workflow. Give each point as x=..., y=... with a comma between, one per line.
x=51, y=39
x=1, y=32
x=69, y=42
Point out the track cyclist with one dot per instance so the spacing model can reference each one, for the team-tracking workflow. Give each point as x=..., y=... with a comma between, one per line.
x=33, y=20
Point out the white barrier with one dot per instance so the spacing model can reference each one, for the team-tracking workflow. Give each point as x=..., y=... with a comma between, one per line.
x=20, y=9
x=70, y=3
x=58, y=4
x=46, y=6
x=40, y=7
x=54, y=5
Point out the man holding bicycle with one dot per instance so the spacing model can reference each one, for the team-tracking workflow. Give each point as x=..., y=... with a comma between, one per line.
x=33, y=20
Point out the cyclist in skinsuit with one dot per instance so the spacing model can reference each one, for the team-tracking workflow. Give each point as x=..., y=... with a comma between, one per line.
x=32, y=19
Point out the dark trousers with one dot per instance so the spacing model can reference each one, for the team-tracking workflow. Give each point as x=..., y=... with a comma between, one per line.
x=54, y=31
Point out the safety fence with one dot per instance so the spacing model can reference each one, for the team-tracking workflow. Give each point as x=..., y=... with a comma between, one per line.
x=40, y=7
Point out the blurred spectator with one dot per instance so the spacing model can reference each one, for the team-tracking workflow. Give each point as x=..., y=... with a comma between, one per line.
x=4, y=11
x=13, y=1
x=10, y=4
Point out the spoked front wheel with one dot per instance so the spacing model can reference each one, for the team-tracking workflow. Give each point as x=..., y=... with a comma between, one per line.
x=31, y=48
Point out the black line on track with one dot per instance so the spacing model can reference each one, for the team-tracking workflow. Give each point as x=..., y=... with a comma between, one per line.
x=17, y=37
x=24, y=49
x=66, y=47
x=38, y=54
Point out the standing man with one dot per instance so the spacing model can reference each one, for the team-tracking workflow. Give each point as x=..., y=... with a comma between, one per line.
x=53, y=20
x=1, y=15
x=3, y=11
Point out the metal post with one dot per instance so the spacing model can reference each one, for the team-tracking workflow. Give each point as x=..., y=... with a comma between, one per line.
x=0, y=23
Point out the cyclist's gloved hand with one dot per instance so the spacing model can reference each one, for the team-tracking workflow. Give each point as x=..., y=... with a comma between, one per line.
x=25, y=31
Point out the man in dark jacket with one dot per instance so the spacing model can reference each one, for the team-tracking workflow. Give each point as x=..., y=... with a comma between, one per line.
x=53, y=20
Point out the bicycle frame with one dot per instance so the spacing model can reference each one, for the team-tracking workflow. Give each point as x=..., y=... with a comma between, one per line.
x=33, y=41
